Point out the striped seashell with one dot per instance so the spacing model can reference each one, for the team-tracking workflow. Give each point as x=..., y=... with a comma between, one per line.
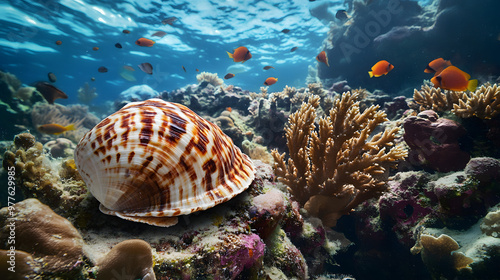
x=154, y=160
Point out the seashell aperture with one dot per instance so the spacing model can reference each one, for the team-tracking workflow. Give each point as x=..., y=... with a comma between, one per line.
x=154, y=160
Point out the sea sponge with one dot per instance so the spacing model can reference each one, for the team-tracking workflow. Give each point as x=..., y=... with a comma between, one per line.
x=50, y=238
x=210, y=78
x=491, y=224
x=128, y=260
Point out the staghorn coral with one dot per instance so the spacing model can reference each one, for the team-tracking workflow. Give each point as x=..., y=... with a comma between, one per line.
x=210, y=78
x=332, y=170
x=436, y=99
x=484, y=103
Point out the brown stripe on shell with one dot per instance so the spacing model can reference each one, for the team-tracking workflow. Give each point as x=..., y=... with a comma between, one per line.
x=147, y=119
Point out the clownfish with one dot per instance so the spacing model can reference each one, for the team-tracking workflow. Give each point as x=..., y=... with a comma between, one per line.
x=436, y=66
x=240, y=54
x=455, y=79
x=143, y=42
x=321, y=57
x=380, y=68
x=56, y=129
x=270, y=81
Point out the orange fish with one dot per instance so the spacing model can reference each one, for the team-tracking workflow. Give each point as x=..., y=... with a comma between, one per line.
x=58, y=42
x=380, y=68
x=240, y=54
x=229, y=76
x=56, y=129
x=197, y=70
x=95, y=48
x=270, y=81
x=229, y=109
x=143, y=42
x=437, y=65
x=321, y=57
x=453, y=78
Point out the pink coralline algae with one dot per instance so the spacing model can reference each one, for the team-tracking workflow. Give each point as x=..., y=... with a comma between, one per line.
x=246, y=252
x=435, y=142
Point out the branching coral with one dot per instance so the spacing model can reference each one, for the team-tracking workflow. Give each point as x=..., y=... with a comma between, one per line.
x=484, y=103
x=334, y=168
x=210, y=78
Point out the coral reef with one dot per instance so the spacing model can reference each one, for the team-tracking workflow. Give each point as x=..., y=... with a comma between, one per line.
x=491, y=224
x=54, y=243
x=210, y=78
x=484, y=103
x=435, y=142
x=332, y=171
x=54, y=183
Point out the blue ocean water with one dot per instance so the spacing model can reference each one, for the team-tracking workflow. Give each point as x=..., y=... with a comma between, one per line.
x=199, y=39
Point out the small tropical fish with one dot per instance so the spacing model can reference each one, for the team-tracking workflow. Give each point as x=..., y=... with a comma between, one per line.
x=229, y=76
x=95, y=48
x=321, y=57
x=92, y=79
x=229, y=109
x=58, y=42
x=52, y=77
x=128, y=68
x=270, y=81
x=436, y=66
x=268, y=67
x=183, y=68
x=197, y=70
x=341, y=15
x=118, y=45
x=126, y=31
x=240, y=54
x=146, y=67
x=102, y=69
x=286, y=30
x=53, y=128
x=50, y=92
x=380, y=68
x=455, y=79
x=159, y=34
x=293, y=49
x=143, y=42
x=128, y=75
x=169, y=20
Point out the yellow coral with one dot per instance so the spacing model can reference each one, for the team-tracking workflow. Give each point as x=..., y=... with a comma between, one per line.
x=484, y=103
x=337, y=164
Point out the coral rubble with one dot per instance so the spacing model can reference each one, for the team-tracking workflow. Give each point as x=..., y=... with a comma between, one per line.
x=334, y=169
